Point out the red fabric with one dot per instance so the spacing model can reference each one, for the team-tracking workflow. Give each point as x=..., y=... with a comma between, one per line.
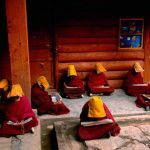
x=16, y=112
x=99, y=131
x=95, y=81
x=74, y=81
x=73, y=92
x=140, y=102
x=135, y=78
x=43, y=102
x=77, y=91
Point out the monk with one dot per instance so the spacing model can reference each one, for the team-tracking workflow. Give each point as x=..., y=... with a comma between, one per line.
x=4, y=89
x=97, y=82
x=42, y=101
x=133, y=84
x=143, y=100
x=73, y=85
x=96, y=121
x=19, y=117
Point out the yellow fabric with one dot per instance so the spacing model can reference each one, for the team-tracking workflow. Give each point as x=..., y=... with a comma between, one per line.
x=16, y=91
x=71, y=70
x=138, y=67
x=100, y=68
x=96, y=108
x=4, y=84
x=43, y=81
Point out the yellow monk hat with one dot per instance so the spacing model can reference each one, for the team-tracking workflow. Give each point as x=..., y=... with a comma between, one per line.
x=138, y=67
x=96, y=108
x=100, y=68
x=71, y=70
x=16, y=90
x=43, y=81
x=4, y=84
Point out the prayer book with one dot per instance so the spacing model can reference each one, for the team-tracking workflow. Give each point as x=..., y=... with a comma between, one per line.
x=144, y=84
x=99, y=122
x=147, y=96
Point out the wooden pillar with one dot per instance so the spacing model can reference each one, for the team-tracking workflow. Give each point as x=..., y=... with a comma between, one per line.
x=147, y=51
x=18, y=44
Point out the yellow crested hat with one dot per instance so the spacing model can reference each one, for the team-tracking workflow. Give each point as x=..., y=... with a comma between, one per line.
x=96, y=108
x=16, y=90
x=100, y=68
x=71, y=70
x=138, y=67
x=4, y=84
x=43, y=81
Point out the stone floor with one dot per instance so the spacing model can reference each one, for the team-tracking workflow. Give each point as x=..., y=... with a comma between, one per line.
x=118, y=103
x=134, y=135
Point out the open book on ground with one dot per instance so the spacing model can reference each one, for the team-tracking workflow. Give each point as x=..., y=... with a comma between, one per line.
x=147, y=96
x=144, y=84
x=99, y=122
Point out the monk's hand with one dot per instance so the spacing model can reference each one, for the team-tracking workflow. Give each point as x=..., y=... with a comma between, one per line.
x=59, y=101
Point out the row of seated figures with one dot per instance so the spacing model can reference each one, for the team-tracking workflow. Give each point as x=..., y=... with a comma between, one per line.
x=95, y=116
x=97, y=84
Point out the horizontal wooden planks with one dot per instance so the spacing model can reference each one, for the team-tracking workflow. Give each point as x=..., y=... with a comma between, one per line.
x=111, y=75
x=86, y=48
x=87, y=31
x=86, y=40
x=100, y=56
x=109, y=65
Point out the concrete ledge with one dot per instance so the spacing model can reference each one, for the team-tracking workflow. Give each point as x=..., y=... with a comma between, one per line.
x=135, y=131
x=5, y=143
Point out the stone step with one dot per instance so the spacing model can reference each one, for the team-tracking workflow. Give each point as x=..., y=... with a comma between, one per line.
x=28, y=141
x=134, y=130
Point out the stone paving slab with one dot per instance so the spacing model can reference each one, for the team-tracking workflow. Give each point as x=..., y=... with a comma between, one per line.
x=5, y=143
x=133, y=135
x=118, y=103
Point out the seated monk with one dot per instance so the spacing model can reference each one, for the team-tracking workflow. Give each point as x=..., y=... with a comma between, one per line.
x=97, y=82
x=4, y=89
x=42, y=101
x=73, y=85
x=133, y=84
x=96, y=121
x=143, y=100
x=19, y=117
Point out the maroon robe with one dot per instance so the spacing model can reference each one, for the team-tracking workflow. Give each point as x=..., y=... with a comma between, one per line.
x=19, y=118
x=43, y=102
x=74, y=87
x=95, y=81
x=97, y=131
x=131, y=80
x=141, y=102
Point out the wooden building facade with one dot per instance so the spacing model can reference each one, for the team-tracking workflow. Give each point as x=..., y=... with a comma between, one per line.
x=43, y=37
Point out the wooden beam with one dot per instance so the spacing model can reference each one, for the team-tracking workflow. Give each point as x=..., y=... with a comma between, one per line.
x=18, y=44
x=147, y=52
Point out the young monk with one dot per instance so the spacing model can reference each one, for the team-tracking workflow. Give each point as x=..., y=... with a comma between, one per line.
x=143, y=100
x=133, y=84
x=4, y=89
x=97, y=82
x=73, y=85
x=96, y=121
x=19, y=117
x=42, y=101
